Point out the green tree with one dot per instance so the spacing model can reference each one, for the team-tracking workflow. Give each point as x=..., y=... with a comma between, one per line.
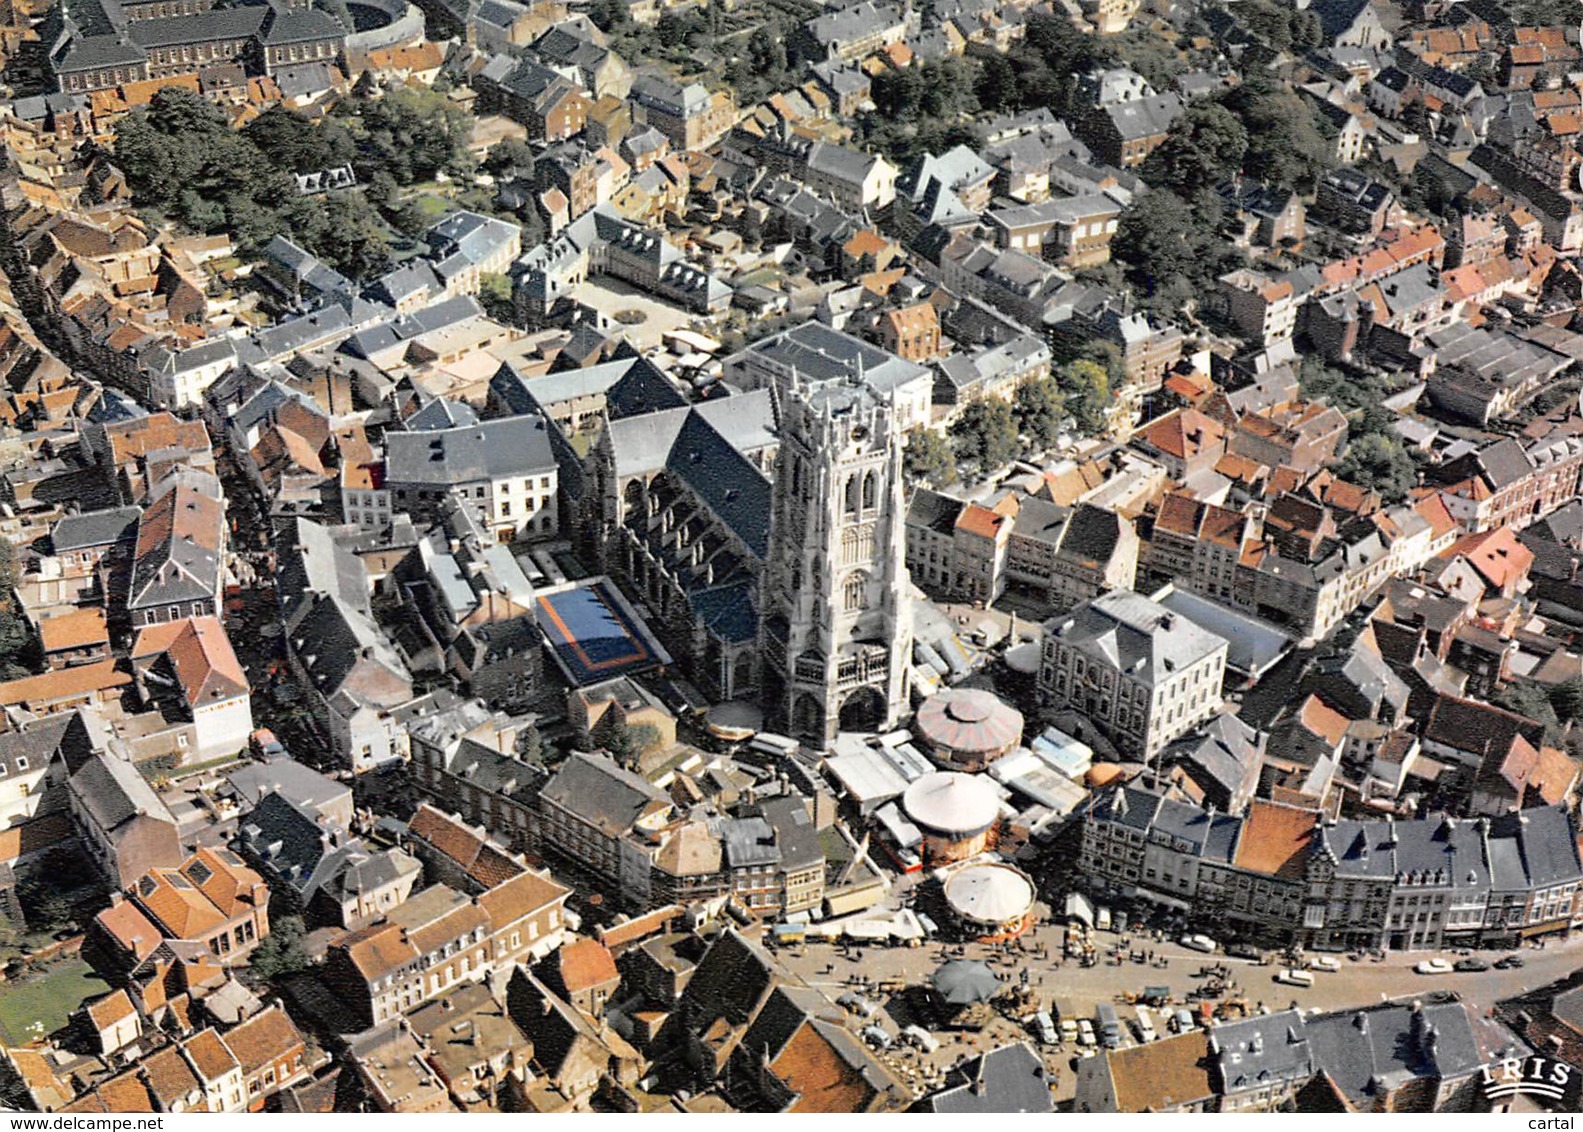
x=298, y=144
x=1530, y=701
x=671, y=29
x=1156, y=237
x=627, y=742
x=1566, y=699
x=985, y=434
x=1380, y=462
x=1040, y=409
x=509, y=157
x=530, y=744
x=1086, y=386
x=354, y=239
x=10, y=940
x=928, y=458
x=996, y=87
x=19, y=653
x=412, y=134
x=281, y=952
x=494, y=295
x=46, y=908
x=1204, y=146
x=1285, y=146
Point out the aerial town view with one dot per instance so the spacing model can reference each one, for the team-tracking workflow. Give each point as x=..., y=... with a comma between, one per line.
x=711, y=556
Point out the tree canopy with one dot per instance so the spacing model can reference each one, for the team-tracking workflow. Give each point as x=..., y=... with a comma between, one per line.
x=985, y=435
x=183, y=160
x=928, y=457
x=1204, y=147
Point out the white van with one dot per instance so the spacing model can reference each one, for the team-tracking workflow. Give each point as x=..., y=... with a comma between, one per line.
x=921, y=1038
x=1146, y=1032
x=1324, y=963
x=1044, y=1028
x=1295, y=978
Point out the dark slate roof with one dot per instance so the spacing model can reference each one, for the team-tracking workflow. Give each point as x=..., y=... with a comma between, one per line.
x=728, y=611
x=1144, y=117
x=630, y=385
x=1091, y=534
x=1223, y=751
x=287, y=836
x=794, y=831
x=1536, y=848
x=508, y=637
x=601, y=793
x=1008, y=1079
x=113, y=792
x=1204, y=834
x=1434, y=851
x=95, y=528
x=749, y=842
x=300, y=25
x=512, y=446
x=727, y=481
x=1370, y=1051
x=728, y=982
x=1253, y=1052
x=440, y=413
x=35, y=745
x=201, y=27
x=1336, y=16
x=285, y=776
x=933, y=510
x=1040, y=520
x=1565, y=525
x=312, y=562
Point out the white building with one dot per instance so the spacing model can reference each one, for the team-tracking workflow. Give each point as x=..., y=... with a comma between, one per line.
x=1142, y=673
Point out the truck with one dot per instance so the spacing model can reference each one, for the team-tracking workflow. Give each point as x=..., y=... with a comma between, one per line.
x=1108, y=1025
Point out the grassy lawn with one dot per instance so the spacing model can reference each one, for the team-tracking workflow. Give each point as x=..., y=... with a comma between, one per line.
x=433, y=206
x=47, y=999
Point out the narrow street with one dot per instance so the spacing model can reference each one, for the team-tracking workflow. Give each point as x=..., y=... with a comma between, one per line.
x=252, y=617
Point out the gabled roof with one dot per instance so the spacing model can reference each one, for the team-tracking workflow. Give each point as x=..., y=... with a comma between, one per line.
x=1275, y=840
x=584, y=964
x=1161, y=1074
x=605, y=795
x=177, y=558
x=113, y=792
x=1009, y=1078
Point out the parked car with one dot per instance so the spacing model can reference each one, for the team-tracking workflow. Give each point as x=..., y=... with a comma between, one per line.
x=1243, y=951
x=921, y=1038
x=1200, y=943
x=1470, y=964
x=1432, y=967
x=1182, y=1020
x=1324, y=963
x=878, y=1037
x=1294, y=978
x=1508, y=962
x=1043, y=1028
x=857, y=1004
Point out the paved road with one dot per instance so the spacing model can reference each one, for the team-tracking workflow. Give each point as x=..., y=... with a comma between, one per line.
x=1356, y=984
